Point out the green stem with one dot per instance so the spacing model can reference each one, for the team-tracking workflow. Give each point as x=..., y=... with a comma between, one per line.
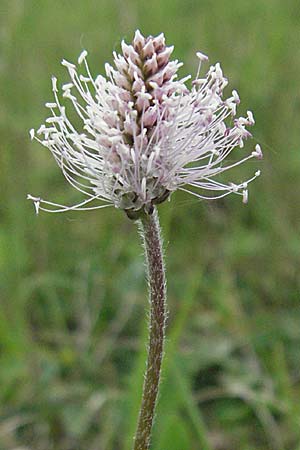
x=150, y=231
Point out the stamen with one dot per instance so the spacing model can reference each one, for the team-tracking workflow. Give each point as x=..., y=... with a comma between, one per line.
x=32, y=133
x=258, y=152
x=245, y=196
x=36, y=202
x=68, y=64
x=82, y=56
x=54, y=84
x=51, y=105
x=202, y=56
x=67, y=86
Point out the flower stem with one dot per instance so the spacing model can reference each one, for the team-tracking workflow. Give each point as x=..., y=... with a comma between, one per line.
x=150, y=231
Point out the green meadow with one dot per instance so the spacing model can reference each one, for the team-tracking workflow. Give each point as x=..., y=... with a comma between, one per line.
x=73, y=296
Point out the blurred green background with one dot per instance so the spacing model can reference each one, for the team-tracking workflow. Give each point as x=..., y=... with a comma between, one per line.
x=73, y=295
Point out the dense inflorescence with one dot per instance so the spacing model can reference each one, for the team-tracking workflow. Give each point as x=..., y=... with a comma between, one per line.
x=143, y=133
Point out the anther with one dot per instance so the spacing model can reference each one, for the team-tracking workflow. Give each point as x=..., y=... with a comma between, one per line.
x=82, y=56
x=201, y=56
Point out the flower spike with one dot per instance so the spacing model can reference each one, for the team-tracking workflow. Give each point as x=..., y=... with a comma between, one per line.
x=144, y=134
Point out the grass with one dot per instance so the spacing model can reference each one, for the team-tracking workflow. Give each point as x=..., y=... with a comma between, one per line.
x=73, y=297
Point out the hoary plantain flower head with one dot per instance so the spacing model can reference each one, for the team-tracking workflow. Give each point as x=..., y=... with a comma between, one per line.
x=144, y=133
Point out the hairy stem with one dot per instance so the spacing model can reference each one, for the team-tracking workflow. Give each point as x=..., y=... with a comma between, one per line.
x=157, y=288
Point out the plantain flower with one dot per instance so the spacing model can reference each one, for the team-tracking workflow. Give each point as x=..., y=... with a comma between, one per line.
x=140, y=133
